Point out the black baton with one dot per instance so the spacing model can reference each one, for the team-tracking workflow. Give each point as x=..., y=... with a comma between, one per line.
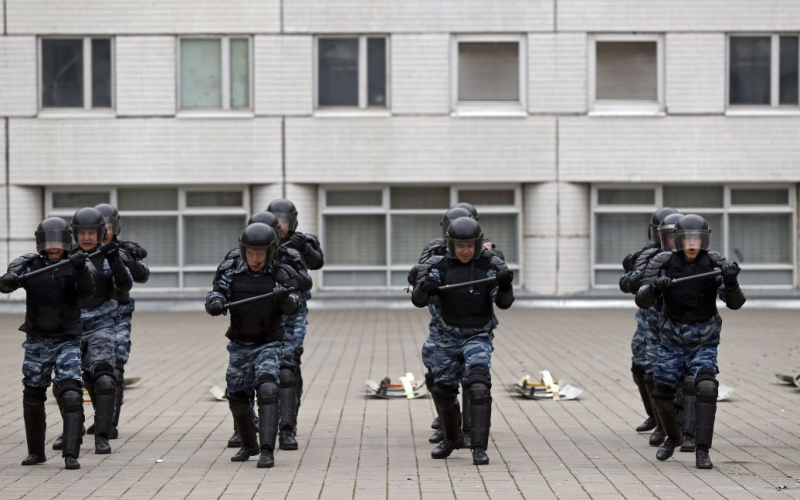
x=55, y=266
x=445, y=288
x=697, y=276
x=253, y=299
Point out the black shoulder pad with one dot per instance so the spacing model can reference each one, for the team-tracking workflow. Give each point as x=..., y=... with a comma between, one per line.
x=233, y=254
x=226, y=264
x=18, y=265
x=312, y=240
x=644, y=257
x=497, y=262
x=134, y=249
x=284, y=272
x=717, y=259
x=424, y=267
x=653, y=268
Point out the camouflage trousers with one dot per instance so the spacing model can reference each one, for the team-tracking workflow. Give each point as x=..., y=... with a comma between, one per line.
x=251, y=365
x=449, y=359
x=122, y=331
x=43, y=355
x=294, y=337
x=639, y=341
x=98, y=346
x=686, y=349
x=652, y=338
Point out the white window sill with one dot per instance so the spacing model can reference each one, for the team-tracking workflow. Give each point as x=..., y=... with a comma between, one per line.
x=498, y=110
x=765, y=111
x=214, y=114
x=351, y=113
x=622, y=108
x=72, y=113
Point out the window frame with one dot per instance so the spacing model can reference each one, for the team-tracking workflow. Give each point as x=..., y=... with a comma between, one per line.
x=385, y=209
x=774, y=107
x=363, y=106
x=626, y=107
x=180, y=213
x=86, y=109
x=489, y=108
x=225, y=78
x=724, y=211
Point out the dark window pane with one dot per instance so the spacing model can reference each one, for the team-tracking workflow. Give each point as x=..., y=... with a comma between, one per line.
x=683, y=197
x=376, y=72
x=789, y=60
x=78, y=200
x=101, y=73
x=626, y=197
x=750, y=70
x=214, y=199
x=62, y=73
x=627, y=71
x=338, y=72
x=421, y=197
x=488, y=71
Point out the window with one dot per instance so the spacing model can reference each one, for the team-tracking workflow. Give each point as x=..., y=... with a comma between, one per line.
x=489, y=73
x=753, y=225
x=215, y=73
x=186, y=231
x=763, y=70
x=76, y=73
x=373, y=235
x=626, y=73
x=352, y=72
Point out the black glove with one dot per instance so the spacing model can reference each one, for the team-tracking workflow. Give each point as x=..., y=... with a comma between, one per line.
x=299, y=242
x=78, y=260
x=216, y=307
x=730, y=273
x=430, y=288
x=504, y=279
x=110, y=250
x=10, y=281
x=140, y=253
x=661, y=285
x=280, y=294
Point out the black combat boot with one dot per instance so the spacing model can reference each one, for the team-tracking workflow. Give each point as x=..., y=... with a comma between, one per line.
x=437, y=436
x=706, y=415
x=267, y=428
x=689, y=415
x=672, y=426
x=71, y=402
x=235, y=441
x=480, y=404
x=243, y=422
x=437, y=423
x=465, y=417
x=104, y=403
x=288, y=409
x=35, y=426
x=450, y=415
x=658, y=436
x=119, y=389
x=650, y=423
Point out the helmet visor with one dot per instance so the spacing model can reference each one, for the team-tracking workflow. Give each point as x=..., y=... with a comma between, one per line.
x=53, y=240
x=464, y=249
x=692, y=239
x=666, y=236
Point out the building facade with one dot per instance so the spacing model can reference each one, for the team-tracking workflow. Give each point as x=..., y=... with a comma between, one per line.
x=566, y=122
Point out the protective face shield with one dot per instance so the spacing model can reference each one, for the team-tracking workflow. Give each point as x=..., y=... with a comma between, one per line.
x=655, y=221
x=53, y=233
x=666, y=232
x=259, y=237
x=285, y=211
x=90, y=220
x=111, y=217
x=692, y=233
x=465, y=230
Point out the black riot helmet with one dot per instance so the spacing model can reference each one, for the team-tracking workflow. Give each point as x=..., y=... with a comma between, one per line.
x=89, y=218
x=267, y=218
x=53, y=232
x=666, y=232
x=111, y=216
x=450, y=216
x=258, y=236
x=469, y=207
x=285, y=210
x=692, y=231
x=655, y=220
x=465, y=229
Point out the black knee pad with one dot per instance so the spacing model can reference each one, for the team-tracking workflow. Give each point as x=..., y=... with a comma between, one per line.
x=479, y=394
x=241, y=397
x=72, y=400
x=444, y=392
x=689, y=387
x=286, y=377
x=478, y=376
x=638, y=370
x=34, y=394
x=429, y=381
x=664, y=392
x=67, y=385
x=104, y=385
x=707, y=386
x=102, y=368
x=267, y=393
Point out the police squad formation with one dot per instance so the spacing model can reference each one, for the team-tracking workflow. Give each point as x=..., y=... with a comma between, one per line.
x=79, y=311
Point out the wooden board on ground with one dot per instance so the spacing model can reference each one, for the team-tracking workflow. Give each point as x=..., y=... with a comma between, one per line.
x=789, y=379
x=407, y=389
x=217, y=389
x=131, y=381
x=724, y=392
x=545, y=388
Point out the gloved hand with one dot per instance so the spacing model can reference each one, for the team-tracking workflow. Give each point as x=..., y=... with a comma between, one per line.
x=78, y=260
x=430, y=288
x=299, y=242
x=661, y=285
x=10, y=281
x=730, y=273
x=110, y=250
x=504, y=279
x=216, y=307
x=280, y=294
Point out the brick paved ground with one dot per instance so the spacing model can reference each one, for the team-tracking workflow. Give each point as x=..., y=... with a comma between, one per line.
x=356, y=447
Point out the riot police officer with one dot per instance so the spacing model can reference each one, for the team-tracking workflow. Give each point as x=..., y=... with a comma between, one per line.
x=132, y=255
x=53, y=331
x=459, y=343
x=256, y=335
x=690, y=331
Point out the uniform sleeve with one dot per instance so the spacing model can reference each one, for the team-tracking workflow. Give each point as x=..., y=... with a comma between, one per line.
x=136, y=265
x=645, y=296
x=292, y=303
x=502, y=298
x=19, y=266
x=222, y=286
x=313, y=255
x=123, y=280
x=86, y=280
x=426, y=273
x=732, y=295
